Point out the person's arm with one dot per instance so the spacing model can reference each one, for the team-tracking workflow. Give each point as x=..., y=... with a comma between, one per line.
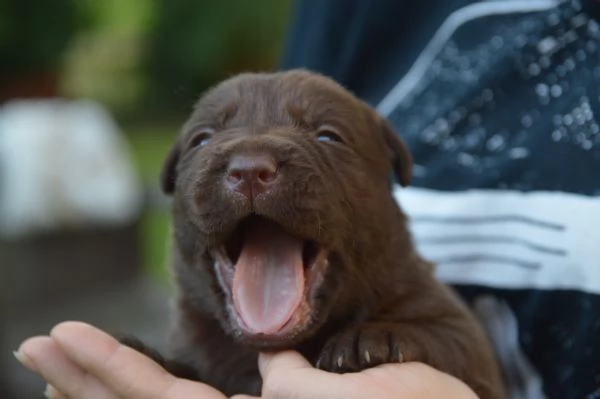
x=82, y=362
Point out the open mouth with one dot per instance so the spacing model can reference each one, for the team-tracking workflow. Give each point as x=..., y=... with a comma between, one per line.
x=270, y=275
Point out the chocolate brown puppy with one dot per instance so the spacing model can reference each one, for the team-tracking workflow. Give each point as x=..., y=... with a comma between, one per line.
x=286, y=235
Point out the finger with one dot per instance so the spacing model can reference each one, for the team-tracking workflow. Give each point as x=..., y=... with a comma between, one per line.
x=44, y=356
x=286, y=360
x=52, y=393
x=289, y=375
x=128, y=373
x=413, y=380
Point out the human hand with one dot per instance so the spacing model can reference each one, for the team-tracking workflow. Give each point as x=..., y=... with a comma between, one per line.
x=288, y=375
x=82, y=362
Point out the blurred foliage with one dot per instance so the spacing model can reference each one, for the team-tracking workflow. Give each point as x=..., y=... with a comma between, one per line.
x=35, y=33
x=150, y=144
x=154, y=57
x=195, y=43
x=155, y=235
x=104, y=62
x=118, y=15
x=140, y=57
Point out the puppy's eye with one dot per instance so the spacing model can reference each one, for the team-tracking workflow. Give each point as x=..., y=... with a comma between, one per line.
x=328, y=133
x=201, y=138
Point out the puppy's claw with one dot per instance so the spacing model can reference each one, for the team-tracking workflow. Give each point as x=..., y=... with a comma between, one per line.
x=340, y=361
x=400, y=356
x=367, y=356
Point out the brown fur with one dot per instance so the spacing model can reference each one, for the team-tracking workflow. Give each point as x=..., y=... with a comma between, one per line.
x=378, y=296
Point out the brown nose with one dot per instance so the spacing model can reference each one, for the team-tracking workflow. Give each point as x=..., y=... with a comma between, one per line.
x=251, y=174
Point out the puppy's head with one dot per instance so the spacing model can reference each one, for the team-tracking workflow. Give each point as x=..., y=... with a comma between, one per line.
x=282, y=206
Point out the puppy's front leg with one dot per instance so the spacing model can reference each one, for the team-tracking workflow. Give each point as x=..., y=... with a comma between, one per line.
x=452, y=344
x=371, y=344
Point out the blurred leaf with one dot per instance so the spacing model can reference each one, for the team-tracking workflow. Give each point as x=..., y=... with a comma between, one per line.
x=149, y=145
x=119, y=15
x=34, y=33
x=193, y=44
x=155, y=244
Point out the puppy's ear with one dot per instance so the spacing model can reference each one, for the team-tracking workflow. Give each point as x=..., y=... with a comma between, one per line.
x=401, y=159
x=168, y=175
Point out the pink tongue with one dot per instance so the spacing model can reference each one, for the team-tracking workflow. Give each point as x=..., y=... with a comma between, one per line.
x=268, y=283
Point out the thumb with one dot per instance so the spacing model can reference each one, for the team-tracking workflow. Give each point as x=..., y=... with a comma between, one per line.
x=289, y=375
x=281, y=361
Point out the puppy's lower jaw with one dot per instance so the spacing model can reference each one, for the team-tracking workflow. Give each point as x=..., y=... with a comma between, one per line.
x=270, y=278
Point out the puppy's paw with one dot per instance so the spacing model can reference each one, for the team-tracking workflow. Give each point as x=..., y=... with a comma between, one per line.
x=359, y=348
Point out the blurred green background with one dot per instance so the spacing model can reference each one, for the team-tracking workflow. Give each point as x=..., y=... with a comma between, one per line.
x=146, y=60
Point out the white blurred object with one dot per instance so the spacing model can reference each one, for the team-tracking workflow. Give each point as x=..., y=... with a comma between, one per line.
x=63, y=164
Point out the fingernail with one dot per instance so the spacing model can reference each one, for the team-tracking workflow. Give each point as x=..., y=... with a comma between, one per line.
x=18, y=356
x=24, y=360
x=51, y=392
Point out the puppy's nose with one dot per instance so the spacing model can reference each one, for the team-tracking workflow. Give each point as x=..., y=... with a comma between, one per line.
x=251, y=174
